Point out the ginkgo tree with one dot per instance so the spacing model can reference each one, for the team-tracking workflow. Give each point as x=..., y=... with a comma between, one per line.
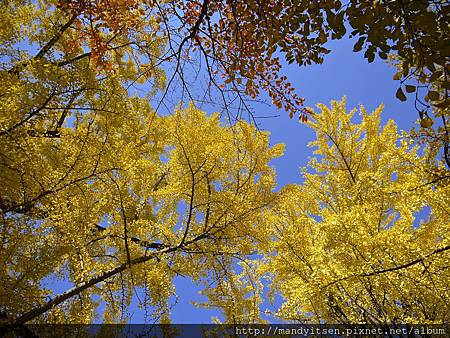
x=99, y=190
x=125, y=201
x=349, y=247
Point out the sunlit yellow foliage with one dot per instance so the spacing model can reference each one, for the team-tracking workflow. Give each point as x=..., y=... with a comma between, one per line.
x=100, y=191
x=164, y=195
x=349, y=247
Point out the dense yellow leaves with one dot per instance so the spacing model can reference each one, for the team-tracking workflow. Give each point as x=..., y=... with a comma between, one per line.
x=349, y=246
x=112, y=188
x=101, y=191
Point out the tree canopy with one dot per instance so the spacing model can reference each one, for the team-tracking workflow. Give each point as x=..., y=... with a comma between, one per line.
x=102, y=189
x=125, y=201
x=241, y=38
x=239, y=45
x=350, y=247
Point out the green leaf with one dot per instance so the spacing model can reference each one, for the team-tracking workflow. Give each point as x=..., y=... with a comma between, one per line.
x=433, y=96
x=400, y=95
x=435, y=75
x=410, y=89
x=398, y=75
x=358, y=46
x=431, y=67
x=370, y=54
x=382, y=55
x=444, y=104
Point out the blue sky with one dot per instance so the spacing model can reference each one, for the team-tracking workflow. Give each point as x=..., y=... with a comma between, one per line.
x=342, y=73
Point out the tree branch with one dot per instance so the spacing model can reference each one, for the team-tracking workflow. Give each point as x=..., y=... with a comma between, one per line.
x=47, y=46
x=395, y=268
